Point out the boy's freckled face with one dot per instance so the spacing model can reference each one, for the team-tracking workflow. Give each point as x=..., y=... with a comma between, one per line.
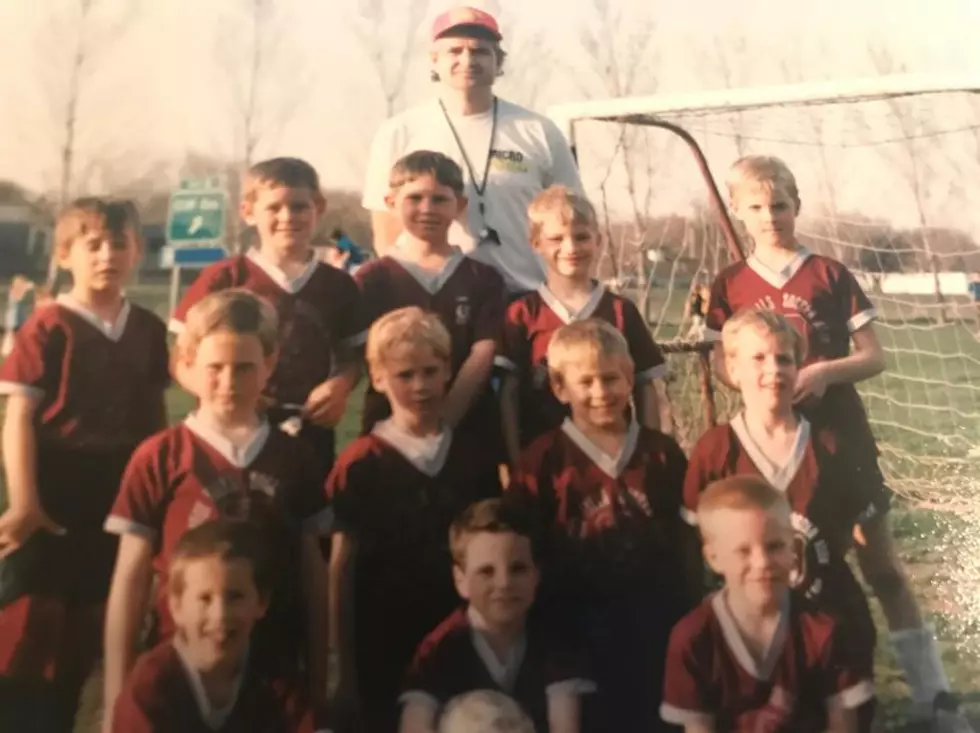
x=764, y=369
x=228, y=373
x=426, y=208
x=216, y=610
x=100, y=260
x=753, y=551
x=597, y=389
x=284, y=217
x=769, y=215
x=414, y=379
x=568, y=249
x=499, y=577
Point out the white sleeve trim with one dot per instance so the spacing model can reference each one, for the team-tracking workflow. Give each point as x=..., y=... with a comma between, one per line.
x=175, y=326
x=504, y=363
x=862, y=319
x=114, y=524
x=25, y=390
x=711, y=335
x=320, y=524
x=656, y=372
x=688, y=516
x=358, y=339
x=421, y=698
x=853, y=697
x=680, y=716
x=570, y=688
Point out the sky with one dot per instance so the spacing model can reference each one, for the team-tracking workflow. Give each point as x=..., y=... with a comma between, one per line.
x=165, y=83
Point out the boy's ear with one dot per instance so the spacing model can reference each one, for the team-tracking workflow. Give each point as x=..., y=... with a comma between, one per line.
x=390, y=200
x=459, y=580
x=558, y=388
x=711, y=556
x=246, y=209
x=462, y=202
x=263, y=605
x=377, y=381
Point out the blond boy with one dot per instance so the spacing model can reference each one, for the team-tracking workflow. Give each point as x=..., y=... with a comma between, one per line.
x=565, y=235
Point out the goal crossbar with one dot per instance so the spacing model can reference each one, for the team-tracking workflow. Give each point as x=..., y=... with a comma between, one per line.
x=643, y=110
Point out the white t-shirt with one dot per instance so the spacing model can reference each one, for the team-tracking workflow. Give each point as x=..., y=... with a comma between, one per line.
x=529, y=154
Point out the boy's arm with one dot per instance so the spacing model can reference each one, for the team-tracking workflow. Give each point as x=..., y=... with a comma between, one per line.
x=699, y=727
x=510, y=419
x=841, y=719
x=125, y=609
x=647, y=404
x=327, y=402
x=24, y=515
x=564, y=713
x=470, y=381
x=418, y=718
x=341, y=672
x=315, y=592
x=866, y=361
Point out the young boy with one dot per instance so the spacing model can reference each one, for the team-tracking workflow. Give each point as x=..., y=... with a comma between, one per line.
x=827, y=492
x=425, y=270
x=224, y=460
x=754, y=656
x=84, y=384
x=606, y=490
x=203, y=679
x=491, y=644
x=565, y=235
x=318, y=305
x=394, y=494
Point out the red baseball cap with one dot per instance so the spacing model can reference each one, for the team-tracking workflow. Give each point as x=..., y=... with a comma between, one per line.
x=465, y=17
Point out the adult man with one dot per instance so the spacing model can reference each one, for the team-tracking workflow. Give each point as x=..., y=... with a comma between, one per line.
x=508, y=153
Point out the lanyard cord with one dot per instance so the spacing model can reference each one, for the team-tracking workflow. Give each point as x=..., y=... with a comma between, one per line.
x=480, y=186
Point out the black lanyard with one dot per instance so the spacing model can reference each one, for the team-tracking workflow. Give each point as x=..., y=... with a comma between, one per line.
x=480, y=186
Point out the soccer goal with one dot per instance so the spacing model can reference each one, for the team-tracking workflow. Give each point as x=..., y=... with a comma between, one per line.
x=889, y=175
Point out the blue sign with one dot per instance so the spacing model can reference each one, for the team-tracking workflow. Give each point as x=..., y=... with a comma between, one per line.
x=196, y=217
x=197, y=256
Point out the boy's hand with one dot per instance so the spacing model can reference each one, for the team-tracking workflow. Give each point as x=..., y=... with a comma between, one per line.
x=18, y=525
x=326, y=404
x=811, y=383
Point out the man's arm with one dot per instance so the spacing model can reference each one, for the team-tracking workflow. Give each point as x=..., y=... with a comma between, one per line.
x=128, y=596
x=470, y=381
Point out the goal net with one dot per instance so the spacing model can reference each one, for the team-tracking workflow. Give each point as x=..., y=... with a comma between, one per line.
x=889, y=176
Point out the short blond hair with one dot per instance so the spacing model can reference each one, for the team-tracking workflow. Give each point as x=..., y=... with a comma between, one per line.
x=409, y=326
x=116, y=217
x=743, y=493
x=594, y=337
x=281, y=173
x=484, y=711
x=570, y=205
x=236, y=311
x=762, y=320
x=767, y=171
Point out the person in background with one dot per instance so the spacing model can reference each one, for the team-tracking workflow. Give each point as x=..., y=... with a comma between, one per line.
x=974, y=289
x=350, y=257
x=20, y=303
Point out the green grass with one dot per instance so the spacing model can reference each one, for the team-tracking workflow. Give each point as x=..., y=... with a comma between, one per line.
x=926, y=412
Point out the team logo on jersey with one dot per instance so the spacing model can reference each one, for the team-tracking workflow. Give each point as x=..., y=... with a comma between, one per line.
x=602, y=511
x=464, y=311
x=812, y=557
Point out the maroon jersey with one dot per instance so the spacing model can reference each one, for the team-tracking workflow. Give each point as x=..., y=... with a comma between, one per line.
x=827, y=497
x=826, y=304
x=468, y=297
x=615, y=557
x=319, y=313
x=713, y=678
x=456, y=658
x=189, y=474
x=164, y=694
x=396, y=496
x=528, y=326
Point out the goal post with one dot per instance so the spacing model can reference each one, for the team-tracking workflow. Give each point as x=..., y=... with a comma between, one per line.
x=889, y=175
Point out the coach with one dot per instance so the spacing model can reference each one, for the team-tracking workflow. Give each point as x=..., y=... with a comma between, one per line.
x=508, y=154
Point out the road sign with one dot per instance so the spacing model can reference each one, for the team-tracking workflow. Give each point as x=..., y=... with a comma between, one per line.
x=196, y=216
x=191, y=257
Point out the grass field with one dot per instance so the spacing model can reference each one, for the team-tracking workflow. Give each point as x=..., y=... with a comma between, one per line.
x=926, y=412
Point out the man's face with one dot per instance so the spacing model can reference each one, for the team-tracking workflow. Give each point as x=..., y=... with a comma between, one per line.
x=465, y=63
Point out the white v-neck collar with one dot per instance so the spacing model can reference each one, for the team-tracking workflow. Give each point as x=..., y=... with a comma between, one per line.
x=214, y=718
x=779, y=278
x=612, y=466
x=290, y=285
x=505, y=672
x=238, y=455
x=561, y=310
x=736, y=642
x=427, y=454
x=429, y=280
x=780, y=476
x=112, y=331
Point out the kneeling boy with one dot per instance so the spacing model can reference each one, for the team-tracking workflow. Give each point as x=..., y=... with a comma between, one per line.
x=754, y=656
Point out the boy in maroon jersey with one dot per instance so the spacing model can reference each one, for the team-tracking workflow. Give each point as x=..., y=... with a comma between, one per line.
x=828, y=496
x=225, y=460
x=491, y=643
x=84, y=384
x=565, y=234
x=607, y=491
x=425, y=270
x=754, y=657
x=318, y=305
x=394, y=494
x=203, y=679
